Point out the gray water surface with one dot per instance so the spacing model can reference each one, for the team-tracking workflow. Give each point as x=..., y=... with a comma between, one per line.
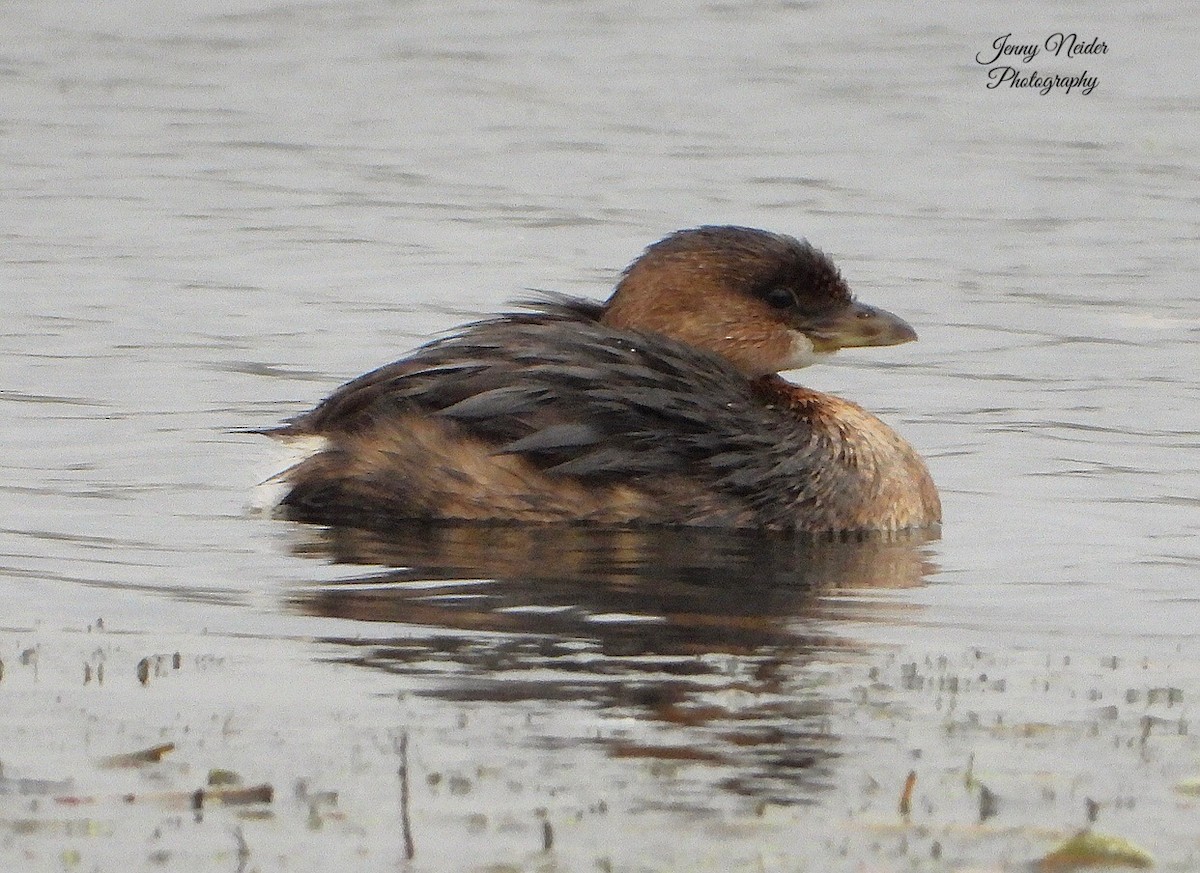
x=213, y=213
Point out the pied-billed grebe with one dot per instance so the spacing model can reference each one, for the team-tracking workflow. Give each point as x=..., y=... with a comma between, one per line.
x=659, y=407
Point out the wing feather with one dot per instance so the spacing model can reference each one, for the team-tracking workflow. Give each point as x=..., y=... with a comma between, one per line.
x=580, y=399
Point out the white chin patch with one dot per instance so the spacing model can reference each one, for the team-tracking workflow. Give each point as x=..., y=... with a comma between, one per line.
x=802, y=354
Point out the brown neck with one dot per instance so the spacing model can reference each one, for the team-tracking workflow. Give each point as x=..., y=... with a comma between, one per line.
x=741, y=330
x=865, y=475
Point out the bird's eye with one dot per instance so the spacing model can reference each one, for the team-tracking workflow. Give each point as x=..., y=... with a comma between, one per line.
x=780, y=298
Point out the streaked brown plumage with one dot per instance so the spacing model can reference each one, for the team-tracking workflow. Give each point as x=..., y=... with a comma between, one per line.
x=659, y=407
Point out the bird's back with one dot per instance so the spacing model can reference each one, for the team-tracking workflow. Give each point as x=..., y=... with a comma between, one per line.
x=552, y=416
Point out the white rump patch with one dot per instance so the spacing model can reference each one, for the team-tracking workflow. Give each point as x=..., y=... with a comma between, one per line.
x=269, y=491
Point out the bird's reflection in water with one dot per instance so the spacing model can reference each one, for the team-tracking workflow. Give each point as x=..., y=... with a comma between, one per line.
x=705, y=641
